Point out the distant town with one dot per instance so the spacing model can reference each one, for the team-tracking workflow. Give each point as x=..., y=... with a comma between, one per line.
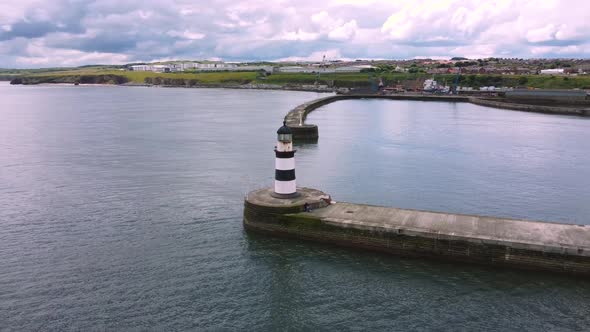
x=494, y=66
x=457, y=75
x=325, y=67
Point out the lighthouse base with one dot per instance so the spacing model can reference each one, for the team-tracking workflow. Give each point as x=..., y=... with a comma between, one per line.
x=285, y=196
x=265, y=202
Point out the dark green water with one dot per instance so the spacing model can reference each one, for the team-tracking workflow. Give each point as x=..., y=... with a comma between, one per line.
x=121, y=209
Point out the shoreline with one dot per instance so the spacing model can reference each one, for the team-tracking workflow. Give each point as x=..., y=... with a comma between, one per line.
x=304, y=88
x=301, y=111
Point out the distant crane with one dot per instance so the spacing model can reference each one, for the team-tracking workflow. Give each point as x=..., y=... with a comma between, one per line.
x=322, y=65
x=372, y=81
x=456, y=82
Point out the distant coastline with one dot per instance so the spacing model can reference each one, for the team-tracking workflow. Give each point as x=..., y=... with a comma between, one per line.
x=538, y=106
x=406, y=81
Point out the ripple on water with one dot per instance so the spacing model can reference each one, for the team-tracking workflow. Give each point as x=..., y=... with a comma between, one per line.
x=121, y=209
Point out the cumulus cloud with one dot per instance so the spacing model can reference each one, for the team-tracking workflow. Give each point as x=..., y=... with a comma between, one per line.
x=297, y=35
x=334, y=28
x=186, y=34
x=73, y=32
x=445, y=21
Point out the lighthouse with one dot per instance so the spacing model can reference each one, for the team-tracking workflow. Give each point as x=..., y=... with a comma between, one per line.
x=285, y=186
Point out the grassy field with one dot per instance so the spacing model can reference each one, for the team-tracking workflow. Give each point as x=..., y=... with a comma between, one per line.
x=336, y=79
x=140, y=76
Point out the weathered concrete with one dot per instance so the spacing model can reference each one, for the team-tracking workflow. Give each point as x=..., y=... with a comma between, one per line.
x=580, y=110
x=467, y=238
x=520, y=234
x=264, y=199
x=309, y=132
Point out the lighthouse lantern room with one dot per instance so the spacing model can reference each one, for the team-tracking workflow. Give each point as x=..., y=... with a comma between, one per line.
x=285, y=186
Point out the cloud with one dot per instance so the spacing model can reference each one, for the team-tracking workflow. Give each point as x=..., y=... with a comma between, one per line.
x=344, y=32
x=42, y=33
x=186, y=34
x=445, y=22
x=297, y=35
x=37, y=21
x=39, y=56
x=334, y=28
x=551, y=34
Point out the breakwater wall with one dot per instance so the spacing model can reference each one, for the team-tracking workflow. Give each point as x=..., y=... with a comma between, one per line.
x=522, y=244
x=302, y=131
x=570, y=110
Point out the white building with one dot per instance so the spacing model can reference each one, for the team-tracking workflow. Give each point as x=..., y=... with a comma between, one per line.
x=268, y=69
x=176, y=67
x=430, y=85
x=553, y=71
x=213, y=66
x=161, y=68
x=494, y=88
x=297, y=69
x=141, y=67
x=189, y=65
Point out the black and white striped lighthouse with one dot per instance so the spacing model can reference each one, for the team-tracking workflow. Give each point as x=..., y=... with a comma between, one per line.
x=285, y=186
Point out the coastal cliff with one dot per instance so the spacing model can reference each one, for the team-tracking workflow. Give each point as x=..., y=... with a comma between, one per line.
x=81, y=79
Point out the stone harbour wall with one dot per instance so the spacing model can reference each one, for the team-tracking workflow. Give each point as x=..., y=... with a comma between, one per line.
x=300, y=226
x=309, y=132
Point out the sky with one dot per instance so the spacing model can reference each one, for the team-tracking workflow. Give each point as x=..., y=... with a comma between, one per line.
x=50, y=33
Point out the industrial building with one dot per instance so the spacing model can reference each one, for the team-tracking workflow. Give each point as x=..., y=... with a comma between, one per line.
x=552, y=71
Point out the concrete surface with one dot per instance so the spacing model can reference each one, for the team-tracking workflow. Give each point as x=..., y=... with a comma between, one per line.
x=262, y=197
x=521, y=234
x=520, y=244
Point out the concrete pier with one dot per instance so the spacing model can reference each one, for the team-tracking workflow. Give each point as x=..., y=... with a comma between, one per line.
x=520, y=244
x=303, y=132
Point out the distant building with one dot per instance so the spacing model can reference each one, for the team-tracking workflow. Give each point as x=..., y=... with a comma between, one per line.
x=552, y=71
x=141, y=67
x=189, y=65
x=180, y=67
x=299, y=69
x=438, y=71
x=161, y=68
x=176, y=67
x=268, y=69
x=430, y=85
x=473, y=70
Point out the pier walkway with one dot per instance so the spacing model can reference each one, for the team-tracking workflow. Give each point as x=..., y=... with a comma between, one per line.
x=518, y=234
x=523, y=244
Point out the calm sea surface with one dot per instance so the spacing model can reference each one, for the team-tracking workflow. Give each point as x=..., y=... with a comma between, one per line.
x=121, y=208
